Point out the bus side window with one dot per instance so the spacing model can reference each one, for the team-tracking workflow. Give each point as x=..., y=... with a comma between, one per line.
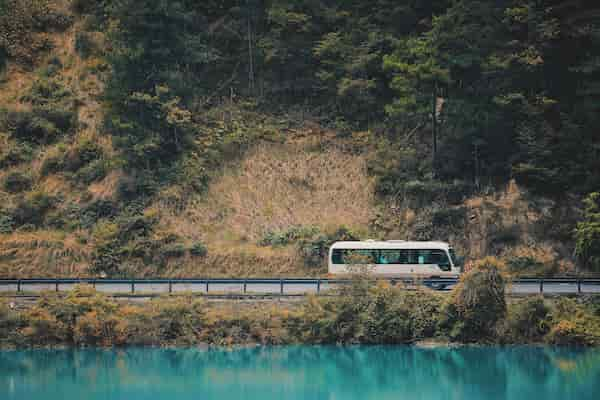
x=337, y=256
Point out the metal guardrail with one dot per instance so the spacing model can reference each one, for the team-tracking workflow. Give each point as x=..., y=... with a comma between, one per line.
x=279, y=283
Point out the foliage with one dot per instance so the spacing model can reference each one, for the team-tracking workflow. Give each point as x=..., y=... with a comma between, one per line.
x=52, y=113
x=526, y=321
x=573, y=324
x=530, y=266
x=16, y=181
x=127, y=240
x=198, y=249
x=314, y=249
x=288, y=236
x=13, y=153
x=7, y=223
x=83, y=161
x=587, y=233
x=362, y=313
x=477, y=303
x=20, y=23
x=31, y=209
x=367, y=313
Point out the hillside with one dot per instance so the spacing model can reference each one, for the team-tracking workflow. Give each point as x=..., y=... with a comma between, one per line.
x=127, y=154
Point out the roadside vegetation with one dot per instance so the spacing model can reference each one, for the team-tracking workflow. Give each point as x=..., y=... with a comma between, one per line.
x=475, y=312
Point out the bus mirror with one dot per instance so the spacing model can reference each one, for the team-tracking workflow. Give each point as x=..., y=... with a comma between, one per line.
x=444, y=266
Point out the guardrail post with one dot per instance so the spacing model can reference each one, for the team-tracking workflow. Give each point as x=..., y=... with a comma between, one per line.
x=94, y=283
x=541, y=285
x=281, y=286
x=207, y=286
x=245, y=283
x=132, y=286
x=170, y=286
x=579, y=286
x=19, y=286
x=319, y=285
x=56, y=285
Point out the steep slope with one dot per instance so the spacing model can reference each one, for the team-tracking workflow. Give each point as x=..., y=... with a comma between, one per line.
x=275, y=191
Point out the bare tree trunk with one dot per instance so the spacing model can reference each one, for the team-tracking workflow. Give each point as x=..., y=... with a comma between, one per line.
x=250, y=52
x=434, y=128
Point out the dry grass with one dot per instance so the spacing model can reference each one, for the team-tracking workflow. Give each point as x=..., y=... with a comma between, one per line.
x=274, y=187
x=43, y=254
x=107, y=187
x=278, y=186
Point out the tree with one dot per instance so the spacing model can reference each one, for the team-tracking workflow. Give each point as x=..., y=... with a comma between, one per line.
x=587, y=234
x=419, y=80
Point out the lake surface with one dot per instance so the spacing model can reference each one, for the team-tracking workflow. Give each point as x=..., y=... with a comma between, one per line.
x=302, y=372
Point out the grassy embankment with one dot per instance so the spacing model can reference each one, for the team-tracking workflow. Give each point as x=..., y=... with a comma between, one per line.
x=475, y=312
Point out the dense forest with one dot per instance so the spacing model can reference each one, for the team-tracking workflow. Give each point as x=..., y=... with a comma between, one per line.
x=450, y=98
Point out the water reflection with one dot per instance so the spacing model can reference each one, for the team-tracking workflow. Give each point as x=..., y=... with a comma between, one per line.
x=302, y=372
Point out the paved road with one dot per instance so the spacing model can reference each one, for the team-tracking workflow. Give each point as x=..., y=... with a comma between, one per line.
x=267, y=288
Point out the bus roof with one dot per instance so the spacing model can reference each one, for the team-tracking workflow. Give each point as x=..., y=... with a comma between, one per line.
x=390, y=244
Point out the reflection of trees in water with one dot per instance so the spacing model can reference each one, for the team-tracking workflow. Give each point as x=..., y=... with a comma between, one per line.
x=352, y=372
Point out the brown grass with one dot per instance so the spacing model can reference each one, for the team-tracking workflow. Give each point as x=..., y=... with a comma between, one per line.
x=274, y=187
x=42, y=254
x=278, y=186
x=107, y=187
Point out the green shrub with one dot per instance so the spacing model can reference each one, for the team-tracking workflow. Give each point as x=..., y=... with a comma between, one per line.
x=7, y=222
x=566, y=333
x=449, y=217
x=20, y=22
x=15, y=154
x=198, y=249
x=101, y=208
x=52, y=114
x=54, y=162
x=10, y=321
x=29, y=126
x=106, y=260
x=526, y=321
x=178, y=320
x=32, y=208
x=367, y=313
x=169, y=250
x=387, y=319
x=288, y=236
x=587, y=234
x=81, y=154
x=92, y=172
x=16, y=182
x=530, y=266
x=477, y=303
x=540, y=180
x=313, y=250
x=423, y=228
x=141, y=185
x=83, y=162
x=505, y=235
x=573, y=324
x=84, y=44
x=3, y=60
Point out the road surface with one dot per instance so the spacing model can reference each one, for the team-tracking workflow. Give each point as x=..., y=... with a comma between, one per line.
x=265, y=286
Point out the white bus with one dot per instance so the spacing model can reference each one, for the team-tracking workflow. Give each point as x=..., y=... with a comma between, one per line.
x=395, y=259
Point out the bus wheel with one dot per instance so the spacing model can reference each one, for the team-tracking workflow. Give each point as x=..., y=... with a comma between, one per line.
x=437, y=286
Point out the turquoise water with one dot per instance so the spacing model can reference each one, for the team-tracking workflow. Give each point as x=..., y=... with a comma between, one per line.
x=302, y=372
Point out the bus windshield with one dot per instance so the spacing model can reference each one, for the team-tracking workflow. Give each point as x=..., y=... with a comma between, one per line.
x=455, y=260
